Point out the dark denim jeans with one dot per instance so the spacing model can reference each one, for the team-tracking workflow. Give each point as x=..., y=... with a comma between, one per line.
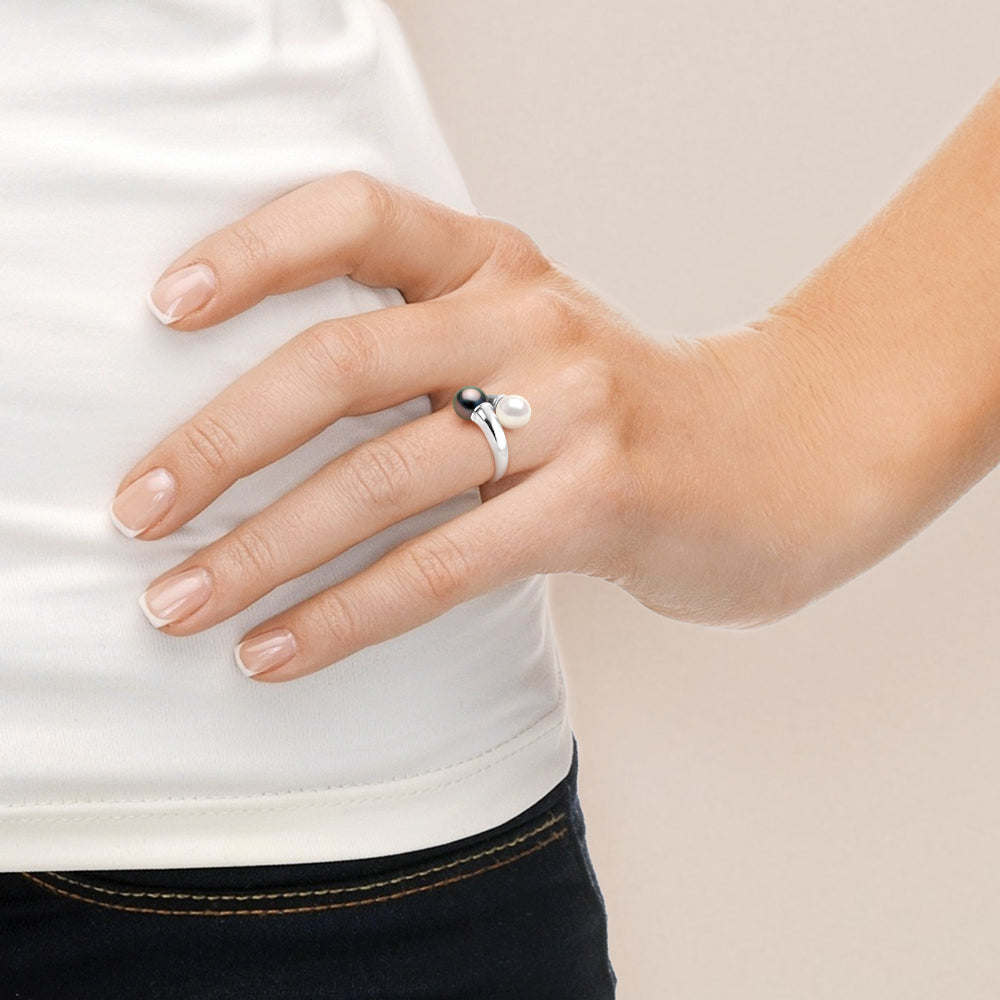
x=514, y=913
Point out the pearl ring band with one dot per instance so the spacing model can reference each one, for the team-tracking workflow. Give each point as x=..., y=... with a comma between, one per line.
x=492, y=414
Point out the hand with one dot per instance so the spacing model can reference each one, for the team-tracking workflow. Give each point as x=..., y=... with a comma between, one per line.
x=643, y=462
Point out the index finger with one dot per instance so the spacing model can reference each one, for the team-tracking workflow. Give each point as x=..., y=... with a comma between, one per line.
x=346, y=224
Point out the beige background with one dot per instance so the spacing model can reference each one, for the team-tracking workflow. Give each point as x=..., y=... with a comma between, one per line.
x=812, y=809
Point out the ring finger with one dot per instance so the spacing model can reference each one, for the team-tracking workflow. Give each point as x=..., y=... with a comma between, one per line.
x=352, y=366
x=378, y=483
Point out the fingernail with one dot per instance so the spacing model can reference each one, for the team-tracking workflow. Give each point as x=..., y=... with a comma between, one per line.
x=266, y=651
x=144, y=502
x=176, y=597
x=180, y=293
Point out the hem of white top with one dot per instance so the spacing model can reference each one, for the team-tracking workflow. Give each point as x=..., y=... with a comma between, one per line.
x=338, y=824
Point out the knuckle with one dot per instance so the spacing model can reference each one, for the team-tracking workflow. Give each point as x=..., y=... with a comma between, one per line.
x=252, y=554
x=604, y=488
x=380, y=473
x=515, y=253
x=212, y=444
x=602, y=436
x=592, y=383
x=343, y=353
x=371, y=198
x=437, y=568
x=551, y=314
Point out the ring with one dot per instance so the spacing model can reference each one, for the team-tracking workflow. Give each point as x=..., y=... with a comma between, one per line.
x=492, y=413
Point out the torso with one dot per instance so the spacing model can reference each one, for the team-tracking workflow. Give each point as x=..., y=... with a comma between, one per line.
x=130, y=131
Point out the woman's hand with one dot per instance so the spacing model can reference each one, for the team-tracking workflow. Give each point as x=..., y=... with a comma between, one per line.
x=648, y=464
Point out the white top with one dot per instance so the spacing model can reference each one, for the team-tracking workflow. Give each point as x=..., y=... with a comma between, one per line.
x=127, y=132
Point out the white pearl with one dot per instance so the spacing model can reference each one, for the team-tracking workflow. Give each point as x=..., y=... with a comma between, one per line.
x=513, y=411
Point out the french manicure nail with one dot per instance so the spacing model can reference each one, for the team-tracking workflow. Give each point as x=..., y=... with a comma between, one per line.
x=267, y=651
x=176, y=597
x=143, y=502
x=180, y=293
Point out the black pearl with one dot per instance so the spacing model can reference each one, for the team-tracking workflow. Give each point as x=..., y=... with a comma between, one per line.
x=467, y=399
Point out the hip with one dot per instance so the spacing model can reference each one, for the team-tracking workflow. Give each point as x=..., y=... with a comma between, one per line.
x=512, y=912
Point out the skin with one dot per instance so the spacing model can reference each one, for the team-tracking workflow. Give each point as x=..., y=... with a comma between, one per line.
x=726, y=480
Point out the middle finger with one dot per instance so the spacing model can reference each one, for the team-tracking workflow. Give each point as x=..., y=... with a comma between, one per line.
x=350, y=366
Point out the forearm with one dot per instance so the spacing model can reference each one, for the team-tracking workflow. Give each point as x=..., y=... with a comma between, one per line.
x=890, y=354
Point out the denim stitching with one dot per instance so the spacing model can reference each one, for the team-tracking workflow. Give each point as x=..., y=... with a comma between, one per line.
x=550, y=821
x=552, y=838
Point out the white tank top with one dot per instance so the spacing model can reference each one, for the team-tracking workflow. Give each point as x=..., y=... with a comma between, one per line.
x=129, y=129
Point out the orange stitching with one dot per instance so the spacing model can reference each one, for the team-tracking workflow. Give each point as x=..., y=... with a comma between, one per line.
x=552, y=838
x=205, y=897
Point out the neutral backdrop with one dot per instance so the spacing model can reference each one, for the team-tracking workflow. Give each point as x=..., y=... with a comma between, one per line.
x=810, y=809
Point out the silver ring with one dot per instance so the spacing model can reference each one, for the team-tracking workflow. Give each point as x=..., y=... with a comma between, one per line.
x=492, y=413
